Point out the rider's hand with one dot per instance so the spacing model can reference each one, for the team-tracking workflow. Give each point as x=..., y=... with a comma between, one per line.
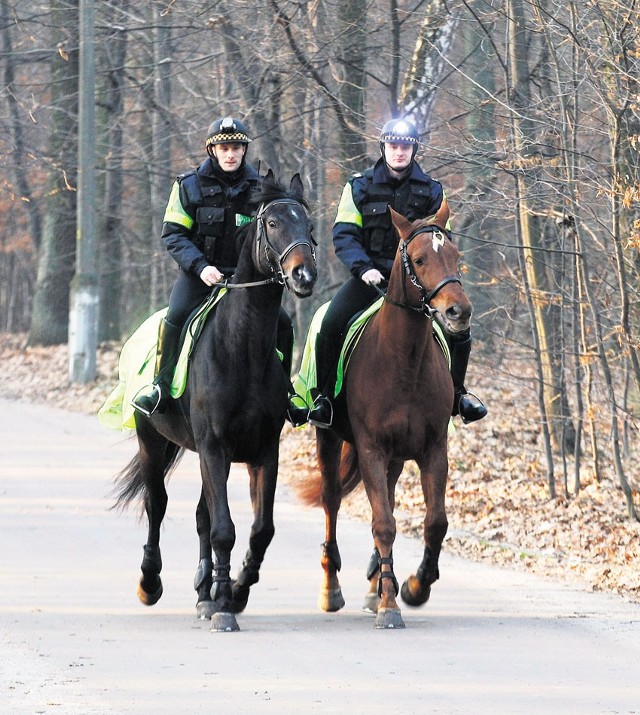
x=211, y=275
x=372, y=277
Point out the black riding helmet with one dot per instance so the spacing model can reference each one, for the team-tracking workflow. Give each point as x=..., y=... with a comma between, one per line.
x=399, y=131
x=227, y=130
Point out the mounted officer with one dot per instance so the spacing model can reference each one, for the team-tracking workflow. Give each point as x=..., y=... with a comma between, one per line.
x=366, y=242
x=206, y=207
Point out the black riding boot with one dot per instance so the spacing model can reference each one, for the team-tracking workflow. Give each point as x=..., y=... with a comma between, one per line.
x=466, y=404
x=166, y=359
x=321, y=413
x=284, y=342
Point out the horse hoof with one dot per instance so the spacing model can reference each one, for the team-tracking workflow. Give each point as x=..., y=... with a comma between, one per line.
x=149, y=599
x=371, y=603
x=224, y=622
x=330, y=600
x=204, y=610
x=414, y=598
x=389, y=618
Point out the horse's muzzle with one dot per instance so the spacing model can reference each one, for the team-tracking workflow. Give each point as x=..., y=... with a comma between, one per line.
x=302, y=280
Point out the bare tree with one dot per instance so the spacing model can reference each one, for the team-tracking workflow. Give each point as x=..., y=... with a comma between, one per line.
x=56, y=260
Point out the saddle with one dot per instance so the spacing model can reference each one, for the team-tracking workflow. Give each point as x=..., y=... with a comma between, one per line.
x=306, y=380
x=136, y=364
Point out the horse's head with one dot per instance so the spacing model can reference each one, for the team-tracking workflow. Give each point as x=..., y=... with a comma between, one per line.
x=429, y=264
x=284, y=244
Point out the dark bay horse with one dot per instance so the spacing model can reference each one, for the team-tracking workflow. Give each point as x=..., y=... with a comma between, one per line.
x=233, y=409
x=396, y=406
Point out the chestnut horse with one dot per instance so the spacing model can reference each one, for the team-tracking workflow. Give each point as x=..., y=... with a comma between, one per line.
x=395, y=406
x=232, y=410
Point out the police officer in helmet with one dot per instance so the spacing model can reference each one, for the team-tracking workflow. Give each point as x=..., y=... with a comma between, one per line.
x=365, y=241
x=205, y=208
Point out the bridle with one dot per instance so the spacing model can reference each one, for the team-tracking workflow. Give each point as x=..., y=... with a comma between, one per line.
x=275, y=259
x=269, y=252
x=426, y=295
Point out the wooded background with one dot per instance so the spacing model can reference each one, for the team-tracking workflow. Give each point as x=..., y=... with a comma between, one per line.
x=529, y=113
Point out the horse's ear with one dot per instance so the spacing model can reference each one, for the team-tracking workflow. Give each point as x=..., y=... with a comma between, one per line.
x=269, y=176
x=402, y=224
x=296, y=188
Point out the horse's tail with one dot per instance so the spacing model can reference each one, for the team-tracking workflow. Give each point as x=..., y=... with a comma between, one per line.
x=350, y=476
x=309, y=491
x=129, y=484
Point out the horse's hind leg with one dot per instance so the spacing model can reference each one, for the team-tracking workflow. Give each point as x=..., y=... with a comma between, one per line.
x=329, y=450
x=262, y=486
x=203, y=580
x=156, y=454
x=417, y=588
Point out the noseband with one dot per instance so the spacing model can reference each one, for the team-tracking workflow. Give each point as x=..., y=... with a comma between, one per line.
x=275, y=260
x=426, y=295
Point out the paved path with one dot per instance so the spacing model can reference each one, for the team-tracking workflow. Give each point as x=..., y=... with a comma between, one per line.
x=75, y=640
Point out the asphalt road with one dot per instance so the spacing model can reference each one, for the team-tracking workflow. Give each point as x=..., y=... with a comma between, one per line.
x=75, y=639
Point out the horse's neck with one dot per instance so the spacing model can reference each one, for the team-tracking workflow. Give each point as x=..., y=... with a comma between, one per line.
x=247, y=317
x=404, y=330
x=247, y=320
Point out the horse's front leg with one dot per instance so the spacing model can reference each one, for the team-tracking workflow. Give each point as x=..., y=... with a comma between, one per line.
x=329, y=447
x=433, y=474
x=372, y=599
x=375, y=473
x=203, y=580
x=262, y=485
x=214, y=469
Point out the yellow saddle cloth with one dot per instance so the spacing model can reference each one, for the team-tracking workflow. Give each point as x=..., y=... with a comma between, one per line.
x=137, y=364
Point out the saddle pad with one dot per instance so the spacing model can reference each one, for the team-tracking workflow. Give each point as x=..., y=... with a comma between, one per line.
x=137, y=362
x=307, y=377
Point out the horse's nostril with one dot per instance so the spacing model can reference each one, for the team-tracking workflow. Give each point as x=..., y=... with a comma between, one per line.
x=301, y=274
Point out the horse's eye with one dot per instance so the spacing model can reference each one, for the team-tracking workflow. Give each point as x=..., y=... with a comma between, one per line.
x=419, y=261
x=272, y=223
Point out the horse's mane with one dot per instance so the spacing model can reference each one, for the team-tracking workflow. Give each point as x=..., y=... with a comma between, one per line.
x=271, y=189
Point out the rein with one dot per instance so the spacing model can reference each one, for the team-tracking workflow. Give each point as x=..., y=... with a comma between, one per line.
x=426, y=296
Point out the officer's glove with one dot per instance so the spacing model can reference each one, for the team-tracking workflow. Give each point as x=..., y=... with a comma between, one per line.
x=372, y=277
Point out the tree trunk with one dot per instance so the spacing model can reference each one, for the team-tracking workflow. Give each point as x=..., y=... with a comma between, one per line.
x=351, y=64
x=109, y=115
x=56, y=263
x=525, y=165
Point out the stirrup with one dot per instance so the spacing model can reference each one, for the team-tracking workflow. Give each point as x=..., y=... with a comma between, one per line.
x=148, y=411
x=479, y=409
x=321, y=402
x=297, y=416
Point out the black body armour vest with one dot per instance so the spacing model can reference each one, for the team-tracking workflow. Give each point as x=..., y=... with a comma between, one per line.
x=413, y=200
x=217, y=218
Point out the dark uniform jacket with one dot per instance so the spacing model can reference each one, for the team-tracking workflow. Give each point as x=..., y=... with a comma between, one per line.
x=363, y=235
x=205, y=207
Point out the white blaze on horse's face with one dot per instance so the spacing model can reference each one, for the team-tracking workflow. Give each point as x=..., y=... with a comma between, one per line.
x=438, y=240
